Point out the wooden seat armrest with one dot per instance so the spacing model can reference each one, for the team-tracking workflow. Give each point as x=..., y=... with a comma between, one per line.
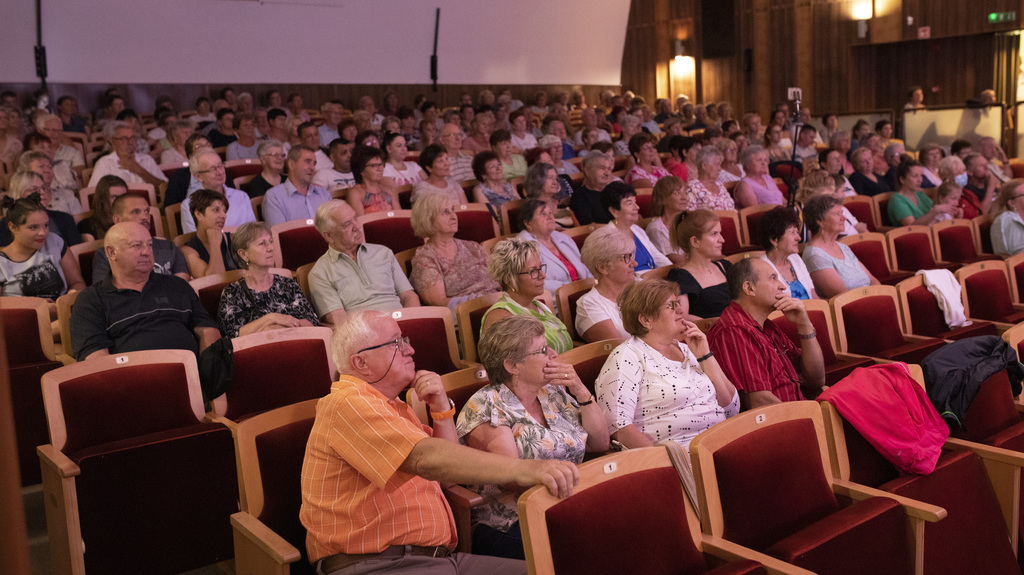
x=912, y=507
x=212, y=417
x=1018, y=307
x=1003, y=469
x=1019, y=405
x=65, y=359
x=915, y=338
x=462, y=497
x=261, y=543
x=997, y=454
x=469, y=364
x=55, y=459
x=732, y=552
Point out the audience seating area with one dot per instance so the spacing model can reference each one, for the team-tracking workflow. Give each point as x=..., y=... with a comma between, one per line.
x=147, y=475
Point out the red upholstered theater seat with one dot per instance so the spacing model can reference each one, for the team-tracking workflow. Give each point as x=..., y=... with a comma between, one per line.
x=298, y=244
x=1015, y=268
x=588, y=359
x=476, y=224
x=431, y=331
x=567, y=296
x=955, y=242
x=972, y=537
x=29, y=344
x=209, y=289
x=837, y=366
x=277, y=368
x=861, y=208
x=868, y=323
x=643, y=200
x=634, y=498
x=731, y=233
x=134, y=468
x=984, y=225
x=871, y=250
x=923, y=316
x=750, y=221
x=912, y=249
x=271, y=447
x=392, y=229
x=803, y=522
x=987, y=293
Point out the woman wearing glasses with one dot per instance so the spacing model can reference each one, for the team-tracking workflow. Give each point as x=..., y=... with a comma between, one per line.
x=1008, y=223
x=663, y=382
x=609, y=255
x=372, y=192
x=557, y=251
x=526, y=412
x=515, y=264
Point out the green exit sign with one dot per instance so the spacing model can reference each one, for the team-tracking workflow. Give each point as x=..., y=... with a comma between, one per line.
x=997, y=17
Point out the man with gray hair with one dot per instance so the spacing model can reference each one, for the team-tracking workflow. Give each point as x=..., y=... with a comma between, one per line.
x=589, y=119
x=586, y=201
x=451, y=137
x=65, y=158
x=207, y=167
x=998, y=164
x=125, y=162
x=371, y=501
x=757, y=356
x=354, y=275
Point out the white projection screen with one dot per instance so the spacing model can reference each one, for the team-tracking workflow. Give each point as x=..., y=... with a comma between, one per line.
x=317, y=41
x=943, y=125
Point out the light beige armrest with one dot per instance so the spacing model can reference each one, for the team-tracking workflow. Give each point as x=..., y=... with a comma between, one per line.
x=732, y=552
x=469, y=364
x=261, y=539
x=913, y=507
x=57, y=461
x=999, y=454
x=212, y=417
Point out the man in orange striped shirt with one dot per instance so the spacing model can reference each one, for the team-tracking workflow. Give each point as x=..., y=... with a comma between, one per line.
x=370, y=497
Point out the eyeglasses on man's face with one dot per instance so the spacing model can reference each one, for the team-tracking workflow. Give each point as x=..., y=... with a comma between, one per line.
x=398, y=343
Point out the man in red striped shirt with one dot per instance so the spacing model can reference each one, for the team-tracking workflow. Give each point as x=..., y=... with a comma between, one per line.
x=759, y=359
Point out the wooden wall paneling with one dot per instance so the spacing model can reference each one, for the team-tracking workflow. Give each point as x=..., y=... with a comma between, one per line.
x=832, y=32
x=958, y=17
x=723, y=78
x=961, y=67
x=782, y=64
x=765, y=35
x=803, y=46
x=640, y=55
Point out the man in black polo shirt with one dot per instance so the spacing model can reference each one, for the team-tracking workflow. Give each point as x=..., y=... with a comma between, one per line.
x=136, y=309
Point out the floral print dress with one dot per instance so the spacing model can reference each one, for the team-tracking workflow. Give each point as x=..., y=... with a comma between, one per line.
x=564, y=438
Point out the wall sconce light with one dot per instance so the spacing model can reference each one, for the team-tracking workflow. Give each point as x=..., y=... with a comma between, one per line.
x=862, y=12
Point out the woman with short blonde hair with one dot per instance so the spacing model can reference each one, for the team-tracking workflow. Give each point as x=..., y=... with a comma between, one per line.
x=515, y=264
x=609, y=256
x=446, y=271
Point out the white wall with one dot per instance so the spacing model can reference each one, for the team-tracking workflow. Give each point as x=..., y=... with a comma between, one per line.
x=317, y=41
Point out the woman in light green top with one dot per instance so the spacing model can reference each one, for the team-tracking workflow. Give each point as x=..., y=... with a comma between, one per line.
x=911, y=206
x=515, y=264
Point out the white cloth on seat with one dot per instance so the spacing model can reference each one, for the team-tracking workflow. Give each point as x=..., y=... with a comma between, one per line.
x=943, y=285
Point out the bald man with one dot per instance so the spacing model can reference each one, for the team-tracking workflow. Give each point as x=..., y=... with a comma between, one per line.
x=167, y=258
x=136, y=309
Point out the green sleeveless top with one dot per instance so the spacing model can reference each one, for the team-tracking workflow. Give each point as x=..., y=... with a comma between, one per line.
x=555, y=332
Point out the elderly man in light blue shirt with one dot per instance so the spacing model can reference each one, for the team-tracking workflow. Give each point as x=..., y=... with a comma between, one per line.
x=297, y=198
x=208, y=169
x=1008, y=227
x=354, y=275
